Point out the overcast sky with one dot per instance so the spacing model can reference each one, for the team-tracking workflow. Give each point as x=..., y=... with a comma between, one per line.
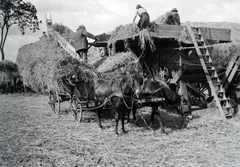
x=101, y=16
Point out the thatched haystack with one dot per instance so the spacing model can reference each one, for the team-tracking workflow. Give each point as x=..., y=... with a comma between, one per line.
x=44, y=65
x=9, y=67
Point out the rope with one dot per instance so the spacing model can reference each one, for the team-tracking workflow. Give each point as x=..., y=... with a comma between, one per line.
x=93, y=108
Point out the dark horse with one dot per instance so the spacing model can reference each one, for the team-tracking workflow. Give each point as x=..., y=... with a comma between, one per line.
x=156, y=89
x=117, y=93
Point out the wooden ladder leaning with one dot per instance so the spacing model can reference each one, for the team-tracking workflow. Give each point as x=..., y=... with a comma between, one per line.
x=62, y=41
x=213, y=80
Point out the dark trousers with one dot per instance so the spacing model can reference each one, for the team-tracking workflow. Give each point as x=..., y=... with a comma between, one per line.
x=144, y=21
x=82, y=54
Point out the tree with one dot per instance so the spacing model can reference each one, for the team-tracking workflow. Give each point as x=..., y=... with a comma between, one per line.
x=23, y=14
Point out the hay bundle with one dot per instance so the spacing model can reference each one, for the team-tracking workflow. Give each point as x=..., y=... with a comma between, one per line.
x=131, y=31
x=64, y=70
x=115, y=65
x=45, y=64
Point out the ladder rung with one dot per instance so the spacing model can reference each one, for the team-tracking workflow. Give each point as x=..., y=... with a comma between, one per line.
x=217, y=84
x=214, y=77
x=210, y=69
x=223, y=99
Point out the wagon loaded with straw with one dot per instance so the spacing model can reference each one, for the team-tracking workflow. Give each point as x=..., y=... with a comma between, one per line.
x=180, y=56
x=47, y=67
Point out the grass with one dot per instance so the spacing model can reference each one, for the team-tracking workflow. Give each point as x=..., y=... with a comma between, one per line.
x=32, y=135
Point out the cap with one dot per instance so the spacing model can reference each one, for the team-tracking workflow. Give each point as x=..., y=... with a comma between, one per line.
x=138, y=6
x=174, y=10
x=81, y=26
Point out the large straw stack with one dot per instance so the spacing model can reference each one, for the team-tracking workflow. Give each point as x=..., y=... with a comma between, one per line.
x=44, y=65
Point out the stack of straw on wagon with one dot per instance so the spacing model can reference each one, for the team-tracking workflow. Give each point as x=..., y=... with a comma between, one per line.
x=44, y=66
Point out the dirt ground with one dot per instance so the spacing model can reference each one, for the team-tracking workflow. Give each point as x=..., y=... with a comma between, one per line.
x=32, y=135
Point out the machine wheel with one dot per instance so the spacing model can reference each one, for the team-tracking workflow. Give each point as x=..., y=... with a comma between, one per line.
x=199, y=93
x=163, y=73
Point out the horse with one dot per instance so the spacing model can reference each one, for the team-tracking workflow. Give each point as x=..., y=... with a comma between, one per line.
x=116, y=93
x=157, y=89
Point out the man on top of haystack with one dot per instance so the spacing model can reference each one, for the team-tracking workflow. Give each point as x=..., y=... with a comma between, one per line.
x=176, y=17
x=172, y=17
x=144, y=21
x=81, y=42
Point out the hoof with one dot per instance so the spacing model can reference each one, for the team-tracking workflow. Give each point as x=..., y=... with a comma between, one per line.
x=124, y=131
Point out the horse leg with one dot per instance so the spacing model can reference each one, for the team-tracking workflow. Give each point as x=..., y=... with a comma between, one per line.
x=134, y=109
x=58, y=100
x=159, y=118
x=117, y=118
x=123, y=111
x=99, y=111
x=184, y=118
x=128, y=115
x=152, y=116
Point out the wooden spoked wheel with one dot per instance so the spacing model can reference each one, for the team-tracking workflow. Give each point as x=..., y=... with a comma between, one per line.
x=199, y=93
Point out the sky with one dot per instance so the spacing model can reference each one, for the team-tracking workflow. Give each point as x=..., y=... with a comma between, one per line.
x=101, y=16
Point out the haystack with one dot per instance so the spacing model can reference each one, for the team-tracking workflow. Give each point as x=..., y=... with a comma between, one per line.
x=115, y=65
x=9, y=67
x=131, y=31
x=44, y=65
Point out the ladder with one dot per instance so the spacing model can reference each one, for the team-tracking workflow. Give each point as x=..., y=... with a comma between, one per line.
x=62, y=41
x=213, y=80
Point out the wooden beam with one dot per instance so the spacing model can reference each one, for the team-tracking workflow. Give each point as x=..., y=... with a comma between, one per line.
x=173, y=31
x=232, y=68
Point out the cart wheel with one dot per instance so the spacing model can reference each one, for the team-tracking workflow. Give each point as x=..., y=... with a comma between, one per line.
x=197, y=99
x=163, y=73
x=52, y=100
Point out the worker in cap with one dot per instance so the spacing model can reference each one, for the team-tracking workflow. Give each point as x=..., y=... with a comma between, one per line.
x=144, y=21
x=81, y=42
x=175, y=16
x=174, y=10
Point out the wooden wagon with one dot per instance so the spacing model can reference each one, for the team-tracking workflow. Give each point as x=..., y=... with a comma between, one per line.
x=182, y=58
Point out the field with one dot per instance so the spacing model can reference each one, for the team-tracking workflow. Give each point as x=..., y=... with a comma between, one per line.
x=32, y=135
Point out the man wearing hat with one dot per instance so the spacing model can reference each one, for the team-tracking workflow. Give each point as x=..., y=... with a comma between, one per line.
x=175, y=16
x=144, y=21
x=81, y=42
